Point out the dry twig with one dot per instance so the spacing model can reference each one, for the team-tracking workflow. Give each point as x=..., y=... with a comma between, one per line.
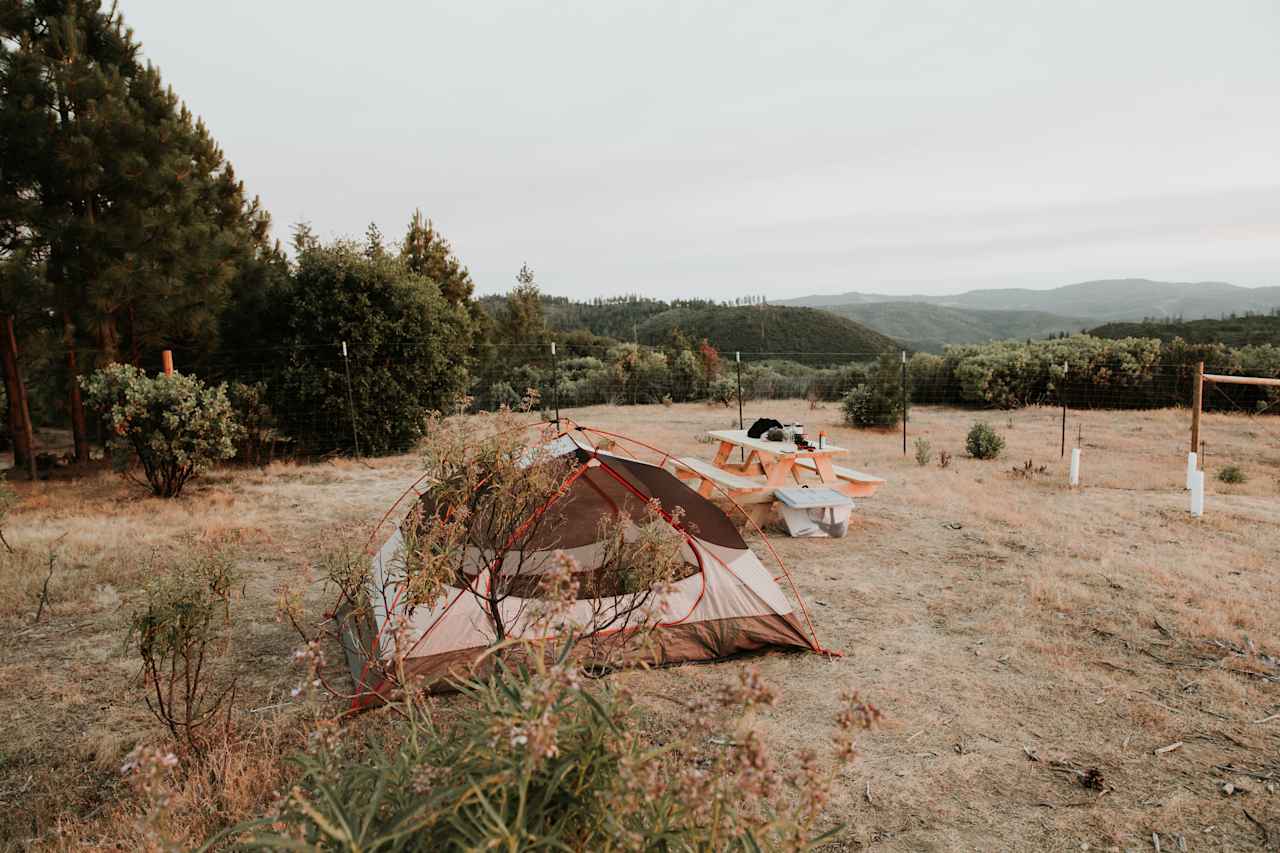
x=44, y=590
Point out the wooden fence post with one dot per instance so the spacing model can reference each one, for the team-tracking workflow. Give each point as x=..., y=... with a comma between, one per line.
x=166, y=358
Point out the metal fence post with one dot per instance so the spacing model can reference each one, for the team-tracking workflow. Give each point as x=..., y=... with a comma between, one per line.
x=904, y=402
x=351, y=399
x=737, y=359
x=1063, y=395
x=555, y=380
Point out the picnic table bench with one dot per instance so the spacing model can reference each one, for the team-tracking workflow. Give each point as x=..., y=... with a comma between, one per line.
x=858, y=483
x=744, y=490
x=780, y=463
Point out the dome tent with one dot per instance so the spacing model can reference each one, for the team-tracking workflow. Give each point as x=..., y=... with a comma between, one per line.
x=722, y=602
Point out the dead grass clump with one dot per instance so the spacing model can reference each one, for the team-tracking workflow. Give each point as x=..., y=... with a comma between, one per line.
x=23, y=592
x=162, y=802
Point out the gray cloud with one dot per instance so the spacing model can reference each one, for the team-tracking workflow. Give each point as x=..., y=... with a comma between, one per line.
x=708, y=149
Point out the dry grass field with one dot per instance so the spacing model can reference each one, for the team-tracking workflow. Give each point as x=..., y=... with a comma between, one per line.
x=1038, y=650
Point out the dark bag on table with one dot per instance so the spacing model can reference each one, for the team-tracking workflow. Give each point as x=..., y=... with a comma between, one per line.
x=762, y=426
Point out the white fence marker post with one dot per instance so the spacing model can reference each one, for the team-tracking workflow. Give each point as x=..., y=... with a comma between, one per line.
x=1191, y=467
x=1075, y=466
x=1197, y=494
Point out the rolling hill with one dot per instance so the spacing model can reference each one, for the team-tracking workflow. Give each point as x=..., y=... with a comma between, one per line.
x=767, y=328
x=1100, y=301
x=930, y=327
x=1233, y=331
x=744, y=328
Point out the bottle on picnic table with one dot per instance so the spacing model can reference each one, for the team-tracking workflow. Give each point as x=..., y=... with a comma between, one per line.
x=822, y=439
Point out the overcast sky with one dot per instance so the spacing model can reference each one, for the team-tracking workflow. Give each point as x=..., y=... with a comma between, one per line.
x=781, y=148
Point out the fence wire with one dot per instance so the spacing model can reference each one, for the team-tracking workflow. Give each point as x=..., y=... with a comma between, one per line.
x=336, y=402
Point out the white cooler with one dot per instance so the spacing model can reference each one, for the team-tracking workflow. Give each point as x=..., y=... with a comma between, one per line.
x=815, y=513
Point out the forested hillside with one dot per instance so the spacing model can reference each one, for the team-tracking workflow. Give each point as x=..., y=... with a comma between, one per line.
x=928, y=327
x=751, y=328
x=767, y=328
x=1248, y=330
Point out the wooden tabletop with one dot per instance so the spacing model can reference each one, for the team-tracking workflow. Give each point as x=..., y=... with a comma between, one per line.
x=777, y=448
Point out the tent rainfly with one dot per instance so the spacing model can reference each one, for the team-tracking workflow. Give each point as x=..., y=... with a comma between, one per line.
x=725, y=602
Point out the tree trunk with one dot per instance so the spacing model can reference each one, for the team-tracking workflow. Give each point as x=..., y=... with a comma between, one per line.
x=135, y=352
x=79, y=432
x=108, y=339
x=24, y=444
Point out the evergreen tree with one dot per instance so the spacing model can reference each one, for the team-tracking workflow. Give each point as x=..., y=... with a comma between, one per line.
x=139, y=222
x=522, y=323
x=427, y=253
x=406, y=344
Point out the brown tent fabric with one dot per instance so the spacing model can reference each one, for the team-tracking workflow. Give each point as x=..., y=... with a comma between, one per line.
x=726, y=602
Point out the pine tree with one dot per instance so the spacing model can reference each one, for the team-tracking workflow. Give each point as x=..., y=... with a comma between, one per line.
x=522, y=322
x=139, y=222
x=426, y=252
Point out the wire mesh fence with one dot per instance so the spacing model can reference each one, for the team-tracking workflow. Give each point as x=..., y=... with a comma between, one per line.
x=306, y=402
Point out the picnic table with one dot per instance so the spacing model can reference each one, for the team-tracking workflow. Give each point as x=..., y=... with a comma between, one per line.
x=777, y=462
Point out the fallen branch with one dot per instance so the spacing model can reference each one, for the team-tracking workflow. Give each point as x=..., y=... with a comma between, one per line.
x=1241, y=771
x=1048, y=805
x=1262, y=827
x=1116, y=666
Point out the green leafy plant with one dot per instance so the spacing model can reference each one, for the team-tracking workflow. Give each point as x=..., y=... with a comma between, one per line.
x=544, y=760
x=723, y=391
x=259, y=433
x=924, y=451
x=180, y=633
x=407, y=351
x=1232, y=474
x=983, y=442
x=175, y=425
x=877, y=402
x=864, y=407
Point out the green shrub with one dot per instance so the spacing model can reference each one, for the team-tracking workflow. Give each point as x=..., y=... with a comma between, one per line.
x=257, y=422
x=181, y=633
x=924, y=451
x=1233, y=474
x=983, y=442
x=723, y=391
x=176, y=425
x=407, y=350
x=864, y=407
x=878, y=401
x=542, y=761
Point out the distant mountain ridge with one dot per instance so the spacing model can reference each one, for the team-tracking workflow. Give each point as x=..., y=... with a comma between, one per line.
x=929, y=327
x=1108, y=300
